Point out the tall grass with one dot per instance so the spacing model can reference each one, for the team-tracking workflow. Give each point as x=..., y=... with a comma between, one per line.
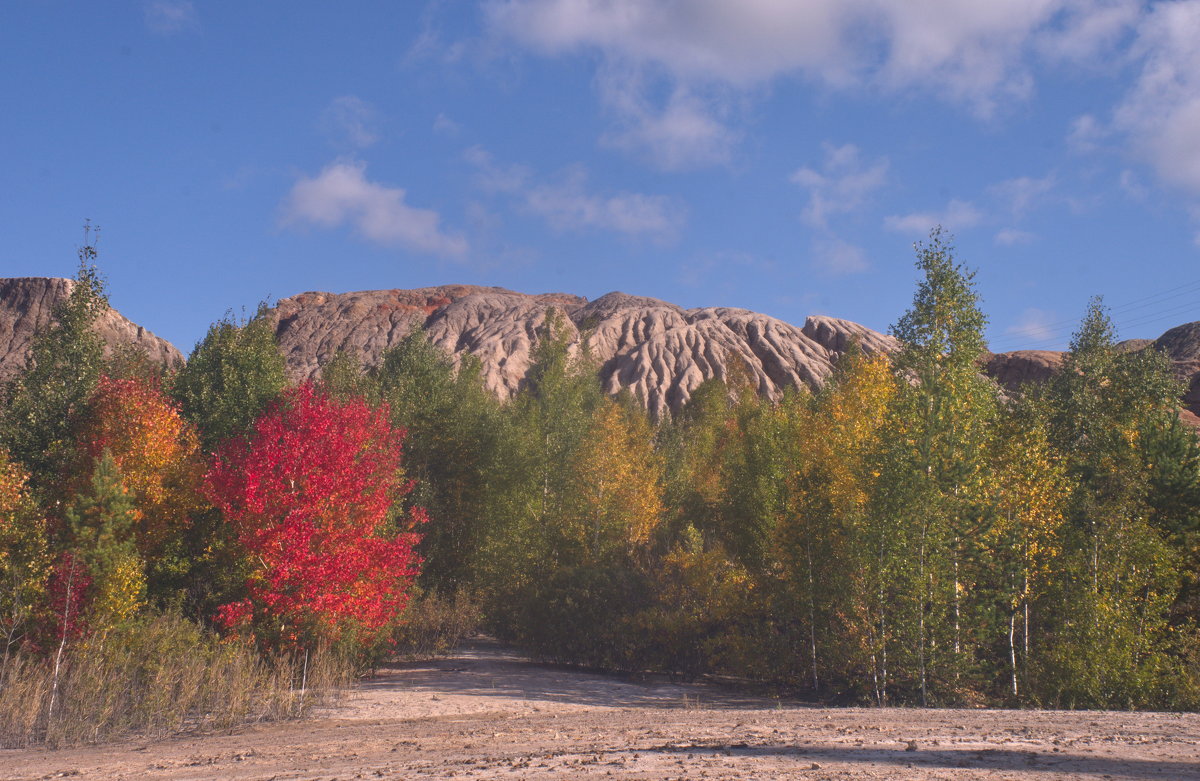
x=159, y=676
x=434, y=624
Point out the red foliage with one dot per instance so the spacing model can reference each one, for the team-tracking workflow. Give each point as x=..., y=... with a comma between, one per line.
x=310, y=494
x=69, y=595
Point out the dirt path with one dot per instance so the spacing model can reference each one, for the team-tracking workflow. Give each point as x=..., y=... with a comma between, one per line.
x=486, y=713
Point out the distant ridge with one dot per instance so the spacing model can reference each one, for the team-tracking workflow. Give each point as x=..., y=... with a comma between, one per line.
x=27, y=305
x=659, y=351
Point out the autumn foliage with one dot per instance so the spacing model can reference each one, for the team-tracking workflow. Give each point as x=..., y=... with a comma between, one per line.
x=310, y=493
x=905, y=534
x=155, y=450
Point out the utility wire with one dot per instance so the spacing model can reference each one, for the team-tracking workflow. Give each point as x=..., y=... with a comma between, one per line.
x=1060, y=330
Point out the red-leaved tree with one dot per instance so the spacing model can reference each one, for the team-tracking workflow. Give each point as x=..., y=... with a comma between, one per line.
x=312, y=494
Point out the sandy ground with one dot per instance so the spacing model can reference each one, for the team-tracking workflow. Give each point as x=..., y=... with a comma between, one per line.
x=487, y=713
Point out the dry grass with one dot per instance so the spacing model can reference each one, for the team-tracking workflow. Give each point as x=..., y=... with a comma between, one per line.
x=434, y=625
x=162, y=676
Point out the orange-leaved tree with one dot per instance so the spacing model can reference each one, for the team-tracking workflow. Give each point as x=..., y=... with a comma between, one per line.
x=156, y=451
x=313, y=495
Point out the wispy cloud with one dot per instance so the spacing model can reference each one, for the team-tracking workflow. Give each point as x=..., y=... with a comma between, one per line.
x=350, y=122
x=1035, y=325
x=444, y=125
x=167, y=17
x=1087, y=133
x=687, y=131
x=958, y=215
x=1010, y=237
x=836, y=257
x=1022, y=193
x=842, y=185
x=342, y=195
x=566, y=203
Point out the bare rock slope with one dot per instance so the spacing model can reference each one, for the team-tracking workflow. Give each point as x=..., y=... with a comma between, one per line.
x=27, y=305
x=659, y=351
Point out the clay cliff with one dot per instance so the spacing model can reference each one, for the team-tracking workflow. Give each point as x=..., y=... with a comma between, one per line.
x=27, y=305
x=659, y=351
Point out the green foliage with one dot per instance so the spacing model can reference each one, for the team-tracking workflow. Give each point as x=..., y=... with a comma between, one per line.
x=65, y=362
x=934, y=466
x=230, y=378
x=344, y=378
x=455, y=449
x=1119, y=575
x=102, y=523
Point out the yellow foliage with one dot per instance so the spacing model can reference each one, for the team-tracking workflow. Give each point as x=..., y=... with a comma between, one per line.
x=617, y=497
x=119, y=593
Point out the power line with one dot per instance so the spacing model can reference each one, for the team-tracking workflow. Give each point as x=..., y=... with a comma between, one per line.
x=1057, y=333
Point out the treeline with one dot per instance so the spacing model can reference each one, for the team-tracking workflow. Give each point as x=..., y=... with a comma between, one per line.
x=908, y=534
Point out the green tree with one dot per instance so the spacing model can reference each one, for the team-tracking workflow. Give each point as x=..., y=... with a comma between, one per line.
x=344, y=378
x=455, y=450
x=533, y=569
x=230, y=378
x=1108, y=637
x=64, y=365
x=103, y=526
x=937, y=461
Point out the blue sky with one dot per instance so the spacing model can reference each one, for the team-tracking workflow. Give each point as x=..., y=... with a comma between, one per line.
x=775, y=155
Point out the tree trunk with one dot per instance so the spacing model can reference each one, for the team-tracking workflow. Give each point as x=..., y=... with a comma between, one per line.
x=812, y=617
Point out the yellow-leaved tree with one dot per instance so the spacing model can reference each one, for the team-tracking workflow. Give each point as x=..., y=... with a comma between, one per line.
x=24, y=556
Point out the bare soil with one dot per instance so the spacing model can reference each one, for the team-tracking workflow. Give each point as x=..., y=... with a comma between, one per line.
x=485, y=712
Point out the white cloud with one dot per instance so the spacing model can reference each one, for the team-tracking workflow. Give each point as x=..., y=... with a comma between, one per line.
x=686, y=132
x=1010, y=237
x=958, y=215
x=341, y=194
x=170, y=16
x=976, y=52
x=1088, y=29
x=493, y=177
x=842, y=185
x=1035, y=325
x=1022, y=193
x=1161, y=113
x=351, y=122
x=1132, y=186
x=836, y=257
x=566, y=204
x=1086, y=134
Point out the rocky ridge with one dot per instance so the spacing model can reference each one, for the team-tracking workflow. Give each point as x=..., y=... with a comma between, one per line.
x=657, y=350
x=27, y=305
